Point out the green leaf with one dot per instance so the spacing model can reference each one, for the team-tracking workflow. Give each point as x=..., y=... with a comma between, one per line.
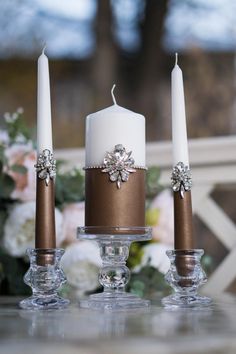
x=152, y=181
x=13, y=270
x=3, y=216
x=135, y=254
x=19, y=169
x=59, y=191
x=17, y=127
x=69, y=187
x=147, y=282
x=208, y=263
x=60, y=163
x=7, y=186
x=3, y=159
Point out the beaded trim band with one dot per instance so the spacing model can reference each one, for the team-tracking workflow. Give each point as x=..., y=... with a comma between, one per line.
x=103, y=166
x=118, y=164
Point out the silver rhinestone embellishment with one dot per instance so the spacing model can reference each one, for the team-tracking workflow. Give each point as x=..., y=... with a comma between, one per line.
x=118, y=164
x=181, y=179
x=46, y=166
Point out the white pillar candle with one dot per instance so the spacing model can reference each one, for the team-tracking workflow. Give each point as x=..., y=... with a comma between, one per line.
x=111, y=126
x=44, y=124
x=179, y=131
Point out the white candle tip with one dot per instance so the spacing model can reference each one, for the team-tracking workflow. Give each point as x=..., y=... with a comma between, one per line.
x=112, y=94
x=176, y=58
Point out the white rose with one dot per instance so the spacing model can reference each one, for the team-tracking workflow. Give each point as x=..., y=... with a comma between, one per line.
x=163, y=228
x=155, y=255
x=19, y=229
x=81, y=263
x=73, y=216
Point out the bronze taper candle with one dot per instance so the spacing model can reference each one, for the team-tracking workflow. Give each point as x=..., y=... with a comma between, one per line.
x=45, y=235
x=181, y=178
x=183, y=227
x=184, y=271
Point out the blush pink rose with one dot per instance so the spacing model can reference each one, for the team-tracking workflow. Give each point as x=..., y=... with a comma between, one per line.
x=25, y=184
x=73, y=216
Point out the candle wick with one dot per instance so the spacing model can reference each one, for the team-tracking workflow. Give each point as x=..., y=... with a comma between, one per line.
x=176, y=58
x=44, y=48
x=112, y=94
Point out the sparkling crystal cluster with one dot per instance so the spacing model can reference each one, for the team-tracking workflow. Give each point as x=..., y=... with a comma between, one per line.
x=46, y=166
x=119, y=164
x=181, y=179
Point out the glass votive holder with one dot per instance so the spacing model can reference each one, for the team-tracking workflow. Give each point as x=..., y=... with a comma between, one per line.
x=185, y=276
x=45, y=276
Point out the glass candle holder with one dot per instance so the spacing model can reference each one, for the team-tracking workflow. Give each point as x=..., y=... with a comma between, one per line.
x=185, y=276
x=114, y=244
x=45, y=277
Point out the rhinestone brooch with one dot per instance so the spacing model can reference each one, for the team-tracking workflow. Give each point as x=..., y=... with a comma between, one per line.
x=181, y=179
x=46, y=166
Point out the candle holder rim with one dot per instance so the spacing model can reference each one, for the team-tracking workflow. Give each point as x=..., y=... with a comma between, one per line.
x=114, y=228
x=47, y=251
x=110, y=233
x=185, y=252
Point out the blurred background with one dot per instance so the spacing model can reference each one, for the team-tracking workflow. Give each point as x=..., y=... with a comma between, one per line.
x=93, y=44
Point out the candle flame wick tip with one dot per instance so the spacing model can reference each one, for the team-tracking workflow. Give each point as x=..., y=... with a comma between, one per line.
x=112, y=94
x=44, y=47
x=176, y=58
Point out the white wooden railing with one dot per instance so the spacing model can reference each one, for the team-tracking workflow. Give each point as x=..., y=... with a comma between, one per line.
x=213, y=163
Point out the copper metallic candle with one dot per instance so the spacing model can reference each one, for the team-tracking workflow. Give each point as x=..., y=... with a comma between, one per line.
x=45, y=235
x=181, y=182
x=106, y=205
x=183, y=232
x=183, y=223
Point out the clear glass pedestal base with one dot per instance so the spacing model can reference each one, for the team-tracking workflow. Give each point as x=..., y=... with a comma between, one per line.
x=45, y=277
x=44, y=302
x=114, y=244
x=114, y=301
x=185, y=276
x=183, y=301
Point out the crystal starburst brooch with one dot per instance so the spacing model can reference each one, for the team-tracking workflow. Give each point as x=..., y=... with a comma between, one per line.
x=46, y=166
x=119, y=164
x=181, y=179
